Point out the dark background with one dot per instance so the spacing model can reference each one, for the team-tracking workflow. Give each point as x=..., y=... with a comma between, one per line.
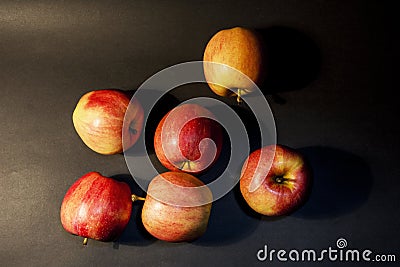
x=332, y=90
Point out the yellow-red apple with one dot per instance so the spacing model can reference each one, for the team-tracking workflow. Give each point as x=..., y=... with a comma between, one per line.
x=96, y=207
x=239, y=48
x=284, y=188
x=177, y=207
x=188, y=139
x=98, y=119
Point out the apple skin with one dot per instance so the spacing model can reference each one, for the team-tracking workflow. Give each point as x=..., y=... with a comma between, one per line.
x=180, y=140
x=286, y=186
x=177, y=207
x=239, y=48
x=98, y=119
x=96, y=207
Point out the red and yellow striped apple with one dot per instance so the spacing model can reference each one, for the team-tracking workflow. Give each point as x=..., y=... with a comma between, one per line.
x=99, y=120
x=285, y=186
x=239, y=48
x=177, y=207
x=96, y=207
x=188, y=139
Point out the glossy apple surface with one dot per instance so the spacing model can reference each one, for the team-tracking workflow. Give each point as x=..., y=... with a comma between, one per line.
x=284, y=188
x=188, y=139
x=99, y=120
x=239, y=48
x=177, y=207
x=96, y=207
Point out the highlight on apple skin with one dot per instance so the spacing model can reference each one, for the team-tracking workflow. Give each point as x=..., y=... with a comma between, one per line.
x=177, y=207
x=286, y=185
x=96, y=207
x=239, y=48
x=98, y=119
x=188, y=139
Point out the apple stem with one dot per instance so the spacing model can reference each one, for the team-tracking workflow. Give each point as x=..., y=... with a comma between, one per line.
x=239, y=93
x=135, y=198
x=184, y=163
x=85, y=240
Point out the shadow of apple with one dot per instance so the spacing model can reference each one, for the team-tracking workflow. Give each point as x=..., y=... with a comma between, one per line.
x=134, y=234
x=231, y=220
x=342, y=182
x=292, y=59
x=155, y=112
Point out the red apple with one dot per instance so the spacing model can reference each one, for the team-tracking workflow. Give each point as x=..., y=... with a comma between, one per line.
x=99, y=120
x=177, y=207
x=239, y=48
x=188, y=139
x=285, y=185
x=96, y=207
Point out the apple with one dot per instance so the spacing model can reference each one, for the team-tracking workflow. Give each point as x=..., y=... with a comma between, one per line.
x=188, y=139
x=239, y=48
x=177, y=207
x=99, y=120
x=97, y=207
x=275, y=180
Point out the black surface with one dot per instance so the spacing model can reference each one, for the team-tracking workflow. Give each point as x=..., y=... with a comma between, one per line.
x=332, y=90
